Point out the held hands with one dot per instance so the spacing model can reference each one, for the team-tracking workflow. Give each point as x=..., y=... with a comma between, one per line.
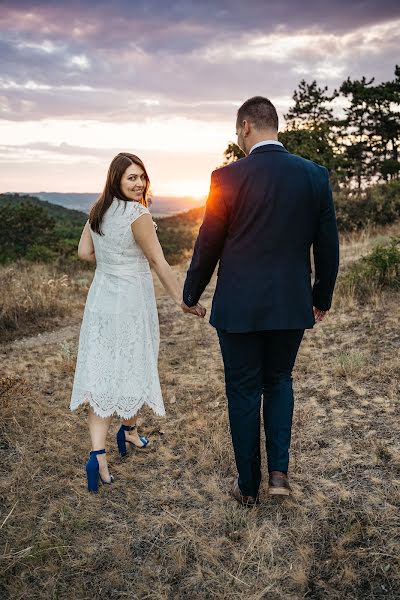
x=319, y=315
x=198, y=310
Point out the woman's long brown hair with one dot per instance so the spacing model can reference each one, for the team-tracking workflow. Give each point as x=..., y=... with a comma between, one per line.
x=112, y=189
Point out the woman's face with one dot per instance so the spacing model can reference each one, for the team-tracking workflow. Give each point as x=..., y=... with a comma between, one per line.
x=133, y=182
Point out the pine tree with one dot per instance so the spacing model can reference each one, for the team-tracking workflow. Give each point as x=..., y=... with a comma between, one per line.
x=310, y=125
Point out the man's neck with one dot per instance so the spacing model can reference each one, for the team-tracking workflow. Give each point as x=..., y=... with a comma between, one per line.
x=262, y=137
x=271, y=140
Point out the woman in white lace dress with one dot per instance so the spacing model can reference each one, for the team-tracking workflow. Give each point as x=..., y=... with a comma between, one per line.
x=116, y=371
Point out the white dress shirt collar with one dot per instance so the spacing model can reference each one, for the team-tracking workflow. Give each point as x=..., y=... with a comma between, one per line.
x=263, y=143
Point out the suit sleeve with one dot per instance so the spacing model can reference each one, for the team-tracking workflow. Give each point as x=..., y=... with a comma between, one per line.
x=209, y=244
x=325, y=250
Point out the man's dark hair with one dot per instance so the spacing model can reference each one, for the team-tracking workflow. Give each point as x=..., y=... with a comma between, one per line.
x=260, y=111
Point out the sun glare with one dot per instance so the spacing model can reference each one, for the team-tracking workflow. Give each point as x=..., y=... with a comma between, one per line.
x=196, y=189
x=199, y=195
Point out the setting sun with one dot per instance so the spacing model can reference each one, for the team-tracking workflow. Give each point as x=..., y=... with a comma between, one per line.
x=197, y=189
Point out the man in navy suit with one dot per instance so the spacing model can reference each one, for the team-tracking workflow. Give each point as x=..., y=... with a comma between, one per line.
x=263, y=215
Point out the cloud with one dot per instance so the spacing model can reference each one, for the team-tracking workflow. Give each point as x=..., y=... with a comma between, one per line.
x=67, y=168
x=166, y=135
x=111, y=60
x=96, y=17
x=168, y=77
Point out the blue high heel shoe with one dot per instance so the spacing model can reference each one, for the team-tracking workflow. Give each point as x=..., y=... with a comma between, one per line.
x=92, y=471
x=121, y=441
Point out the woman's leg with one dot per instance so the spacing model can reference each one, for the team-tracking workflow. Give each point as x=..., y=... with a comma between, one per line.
x=98, y=427
x=132, y=436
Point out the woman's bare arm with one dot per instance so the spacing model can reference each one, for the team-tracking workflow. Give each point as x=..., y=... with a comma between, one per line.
x=145, y=235
x=86, y=247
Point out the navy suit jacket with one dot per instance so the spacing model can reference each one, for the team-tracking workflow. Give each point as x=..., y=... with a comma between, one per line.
x=263, y=215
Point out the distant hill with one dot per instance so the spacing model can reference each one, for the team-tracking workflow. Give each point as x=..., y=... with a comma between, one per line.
x=81, y=202
x=160, y=206
x=176, y=232
x=61, y=215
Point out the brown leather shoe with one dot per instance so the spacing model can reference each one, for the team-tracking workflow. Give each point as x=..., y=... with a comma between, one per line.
x=247, y=501
x=278, y=484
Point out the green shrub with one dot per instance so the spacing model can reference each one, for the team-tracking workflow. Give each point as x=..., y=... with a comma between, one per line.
x=383, y=264
x=23, y=226
x=377, y=205
x=379, y=270
x=40, y=253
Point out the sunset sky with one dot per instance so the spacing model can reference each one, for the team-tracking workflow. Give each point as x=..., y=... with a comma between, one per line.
x=80, y=82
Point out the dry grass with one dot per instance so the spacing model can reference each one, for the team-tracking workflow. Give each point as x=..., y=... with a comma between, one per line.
x=359, y=243
x=362, y=282
x=167, y=528
x=35, y=297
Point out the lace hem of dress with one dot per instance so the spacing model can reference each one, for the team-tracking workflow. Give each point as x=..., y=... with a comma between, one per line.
x=116, y=408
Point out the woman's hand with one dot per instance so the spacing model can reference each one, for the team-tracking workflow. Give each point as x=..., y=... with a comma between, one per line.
x=319, y=315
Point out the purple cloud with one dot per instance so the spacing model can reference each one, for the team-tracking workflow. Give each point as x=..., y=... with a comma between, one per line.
x=109, y=61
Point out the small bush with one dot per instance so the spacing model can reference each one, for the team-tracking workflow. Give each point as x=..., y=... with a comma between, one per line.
x=40, y=253
x=350, y=363
x=378, y=205
x=379, y=270
x=383, y=264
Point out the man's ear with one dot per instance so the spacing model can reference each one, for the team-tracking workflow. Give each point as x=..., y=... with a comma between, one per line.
x=246, y=127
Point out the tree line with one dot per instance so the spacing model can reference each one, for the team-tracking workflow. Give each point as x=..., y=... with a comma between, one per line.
x=359, y=146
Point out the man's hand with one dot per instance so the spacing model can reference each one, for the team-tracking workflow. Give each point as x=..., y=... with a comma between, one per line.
x=198, y=310
x=319, y=315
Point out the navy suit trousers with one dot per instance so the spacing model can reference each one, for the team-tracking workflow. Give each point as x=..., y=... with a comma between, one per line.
x=259, y=364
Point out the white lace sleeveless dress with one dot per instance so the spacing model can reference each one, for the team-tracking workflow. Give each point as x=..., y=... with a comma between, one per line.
x=116, y=370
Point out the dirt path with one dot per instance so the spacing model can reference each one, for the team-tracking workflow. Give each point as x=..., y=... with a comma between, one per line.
x=57, y=336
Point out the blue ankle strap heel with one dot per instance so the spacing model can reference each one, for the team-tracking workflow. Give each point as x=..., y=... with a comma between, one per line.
x=92, y=471
x=121, y=441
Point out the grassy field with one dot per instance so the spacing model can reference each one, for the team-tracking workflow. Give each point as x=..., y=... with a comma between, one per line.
x=167, y=528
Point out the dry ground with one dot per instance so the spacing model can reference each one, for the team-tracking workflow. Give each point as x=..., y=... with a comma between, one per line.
x=167, y=528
